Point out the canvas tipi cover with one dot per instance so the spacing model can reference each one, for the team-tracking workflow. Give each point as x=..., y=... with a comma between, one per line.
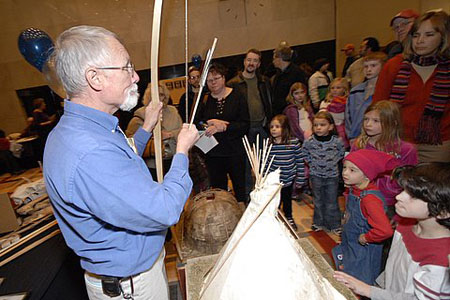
x=262, y=260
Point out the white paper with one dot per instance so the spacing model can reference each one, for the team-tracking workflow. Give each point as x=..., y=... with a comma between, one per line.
x=205, y=143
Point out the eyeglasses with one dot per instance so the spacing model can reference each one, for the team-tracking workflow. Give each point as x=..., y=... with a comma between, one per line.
x=194, y=77
x=214, y=79
x=129, y=68
x=401, y=25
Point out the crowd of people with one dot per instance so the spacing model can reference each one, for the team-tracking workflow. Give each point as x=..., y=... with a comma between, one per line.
x=389, y=110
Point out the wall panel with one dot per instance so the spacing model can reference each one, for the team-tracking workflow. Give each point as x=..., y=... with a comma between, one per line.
x=239, y=25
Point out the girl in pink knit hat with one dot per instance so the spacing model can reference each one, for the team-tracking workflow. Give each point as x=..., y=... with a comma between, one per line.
x=366, y=225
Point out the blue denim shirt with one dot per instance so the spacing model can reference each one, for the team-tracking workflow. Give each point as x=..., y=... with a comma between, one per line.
x=354, y=110
x=109, y=209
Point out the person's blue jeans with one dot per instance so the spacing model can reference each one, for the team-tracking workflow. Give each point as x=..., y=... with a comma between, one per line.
x=326, y=207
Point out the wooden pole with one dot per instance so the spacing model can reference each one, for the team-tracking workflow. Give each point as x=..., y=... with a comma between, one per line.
x=209, y=56
x=154, y=86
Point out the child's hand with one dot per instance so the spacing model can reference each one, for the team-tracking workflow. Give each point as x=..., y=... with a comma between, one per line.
x=362, y=239
x=357, y=286
x=307, y=134
x=299, y=187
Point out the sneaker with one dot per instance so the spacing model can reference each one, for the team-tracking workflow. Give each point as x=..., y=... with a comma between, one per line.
x=316, y=228
x=292, y=223
x=337, y=231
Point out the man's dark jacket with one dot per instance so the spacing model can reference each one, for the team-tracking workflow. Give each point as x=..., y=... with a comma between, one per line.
x=281, y=83
x=239, y=83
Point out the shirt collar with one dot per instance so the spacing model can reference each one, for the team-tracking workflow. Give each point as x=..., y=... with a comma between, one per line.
x=105, y=120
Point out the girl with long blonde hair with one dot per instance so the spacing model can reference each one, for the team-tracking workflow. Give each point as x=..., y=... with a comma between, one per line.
x=335, y=104
x=382, y=131
x=299, y=112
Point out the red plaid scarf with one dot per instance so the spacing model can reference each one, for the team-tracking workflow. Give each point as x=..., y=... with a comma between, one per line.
x=429, y=125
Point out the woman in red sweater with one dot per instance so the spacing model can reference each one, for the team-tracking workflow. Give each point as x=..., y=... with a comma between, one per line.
x=419, y=81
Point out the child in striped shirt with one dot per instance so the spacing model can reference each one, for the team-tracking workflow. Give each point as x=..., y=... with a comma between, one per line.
x=289, y=159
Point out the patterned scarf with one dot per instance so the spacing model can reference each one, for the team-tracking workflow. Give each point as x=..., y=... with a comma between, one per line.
x=337, y=105
x=429, y=131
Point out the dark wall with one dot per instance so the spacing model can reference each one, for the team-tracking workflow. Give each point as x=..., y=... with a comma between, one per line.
x=302, y=54
x=52, y=100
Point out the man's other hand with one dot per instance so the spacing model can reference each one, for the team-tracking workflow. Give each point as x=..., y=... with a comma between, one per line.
x=187, y=138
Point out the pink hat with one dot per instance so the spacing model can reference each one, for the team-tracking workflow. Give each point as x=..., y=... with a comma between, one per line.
x=406, y=14
x=372, y=162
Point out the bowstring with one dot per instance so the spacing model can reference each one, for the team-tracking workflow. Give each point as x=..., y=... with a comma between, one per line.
x=186, y=58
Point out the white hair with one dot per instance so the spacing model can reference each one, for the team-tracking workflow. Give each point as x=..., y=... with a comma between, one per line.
x=77, y=49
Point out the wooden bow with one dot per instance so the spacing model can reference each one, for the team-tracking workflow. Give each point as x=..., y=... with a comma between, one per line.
x=154, y=86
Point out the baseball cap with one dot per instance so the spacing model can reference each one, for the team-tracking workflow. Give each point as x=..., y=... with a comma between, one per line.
x=406, y=14
x=348, y=47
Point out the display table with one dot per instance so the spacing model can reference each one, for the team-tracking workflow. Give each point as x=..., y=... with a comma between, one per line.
x=197, y=268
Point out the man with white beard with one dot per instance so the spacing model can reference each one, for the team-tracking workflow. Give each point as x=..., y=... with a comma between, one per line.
x=109, y=209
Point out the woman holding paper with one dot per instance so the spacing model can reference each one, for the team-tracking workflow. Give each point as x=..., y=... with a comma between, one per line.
x=224, y=113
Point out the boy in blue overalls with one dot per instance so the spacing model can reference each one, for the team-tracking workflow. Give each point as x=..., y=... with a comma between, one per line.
x=366, y=225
